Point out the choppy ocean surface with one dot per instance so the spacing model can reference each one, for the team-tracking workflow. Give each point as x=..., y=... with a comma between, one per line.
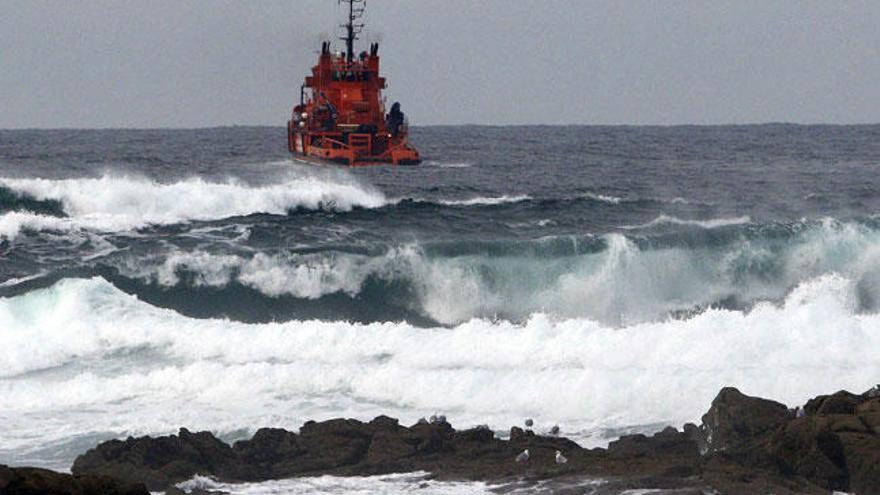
x=605, y=279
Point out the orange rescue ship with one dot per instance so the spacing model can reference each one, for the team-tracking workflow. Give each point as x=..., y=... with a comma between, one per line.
x=341, y=115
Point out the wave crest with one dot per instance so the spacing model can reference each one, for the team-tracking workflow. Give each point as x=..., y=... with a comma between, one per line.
x=200, y=372
x=111, y=203
x=614, y=279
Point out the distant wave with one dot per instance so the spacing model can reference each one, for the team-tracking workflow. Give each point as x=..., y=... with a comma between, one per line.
x=614, y=200
x=514, y=198
x=484, y=201
x=114, y=203
x=706, y=224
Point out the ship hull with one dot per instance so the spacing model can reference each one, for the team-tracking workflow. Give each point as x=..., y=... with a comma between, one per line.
x=352, y=150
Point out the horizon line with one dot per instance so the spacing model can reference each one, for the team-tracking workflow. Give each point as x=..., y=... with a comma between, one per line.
x=233, y=126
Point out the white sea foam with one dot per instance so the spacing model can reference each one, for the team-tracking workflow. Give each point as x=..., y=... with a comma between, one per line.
x=604, y=198
x=485, y=201
x=619, y=285
x=113, y=203
x=418, y=482
x=14, y=222
x=392, y=484
x=713, y=223
x=107, y=362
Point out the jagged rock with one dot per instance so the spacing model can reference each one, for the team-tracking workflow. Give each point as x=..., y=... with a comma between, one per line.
x=667, y=442
x=33, y=481
x=869, y=413
x=332, y=444
x=841, y=402
x=162, y=461
x=807, y=447
x=270, y=453
x=735, y=419
x=745, y=445
x=833, y=449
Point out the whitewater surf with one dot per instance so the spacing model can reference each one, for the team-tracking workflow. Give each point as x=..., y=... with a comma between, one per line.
x=182, y=285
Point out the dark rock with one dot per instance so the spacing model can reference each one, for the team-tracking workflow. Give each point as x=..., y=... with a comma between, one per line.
x=630, y=446
x=432, y=437
x=270, y=453
x=332, y=444
x=841, y=402
x=869, y=413
x=834, y=451
x=33, y=481
x=478, y=434
x=807, y=447
x=735, y=419
x=862, y=454
x=162, y=461
x=669, y=442
x=745, y=445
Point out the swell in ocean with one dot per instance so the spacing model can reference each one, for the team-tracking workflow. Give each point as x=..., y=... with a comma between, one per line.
x=598, y=294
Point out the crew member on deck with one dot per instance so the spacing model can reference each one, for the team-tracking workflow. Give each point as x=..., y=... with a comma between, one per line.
x=394, y=119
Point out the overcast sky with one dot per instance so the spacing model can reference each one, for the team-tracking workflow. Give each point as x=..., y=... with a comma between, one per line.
x=174, y=63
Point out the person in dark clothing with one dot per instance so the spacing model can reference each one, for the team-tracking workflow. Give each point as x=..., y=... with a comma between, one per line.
x=395, y=118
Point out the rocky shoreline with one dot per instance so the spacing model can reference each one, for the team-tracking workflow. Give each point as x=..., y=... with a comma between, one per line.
x=744, y=445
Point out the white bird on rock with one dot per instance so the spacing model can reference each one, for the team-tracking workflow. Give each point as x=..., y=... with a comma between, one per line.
x=523, y=456
x=560, y=459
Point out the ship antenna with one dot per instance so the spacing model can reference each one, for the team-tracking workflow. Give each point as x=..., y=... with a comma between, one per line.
x=353, y=28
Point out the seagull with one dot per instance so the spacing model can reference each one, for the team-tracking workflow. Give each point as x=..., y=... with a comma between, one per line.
x=523, y=456
x=529, y=422
x=560, y=459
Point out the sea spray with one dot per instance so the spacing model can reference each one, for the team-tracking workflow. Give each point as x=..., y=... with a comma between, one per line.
x=614, y=279
x=114, y=203
x=224, y=375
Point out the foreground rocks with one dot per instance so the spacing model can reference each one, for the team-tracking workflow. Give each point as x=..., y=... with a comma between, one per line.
x=32, y=481
x=745, y=445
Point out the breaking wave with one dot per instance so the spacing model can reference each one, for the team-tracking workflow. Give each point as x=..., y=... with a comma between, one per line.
x=151, y=370
x=112, y=203
x=613, y=279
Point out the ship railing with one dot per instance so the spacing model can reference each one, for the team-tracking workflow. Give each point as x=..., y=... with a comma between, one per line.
x=334, y=143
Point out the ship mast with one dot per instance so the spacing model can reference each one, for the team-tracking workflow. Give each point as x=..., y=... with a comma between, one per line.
x=352, y=28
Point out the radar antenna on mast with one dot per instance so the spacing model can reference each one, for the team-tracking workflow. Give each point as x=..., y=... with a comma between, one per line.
x=352, y=27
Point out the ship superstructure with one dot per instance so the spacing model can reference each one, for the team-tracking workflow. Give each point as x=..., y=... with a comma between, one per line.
x=341, y=116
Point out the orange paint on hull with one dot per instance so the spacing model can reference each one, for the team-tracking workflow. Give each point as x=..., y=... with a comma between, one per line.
x=342, y=117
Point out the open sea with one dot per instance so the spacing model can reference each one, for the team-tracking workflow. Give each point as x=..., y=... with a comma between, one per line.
x=607, y=280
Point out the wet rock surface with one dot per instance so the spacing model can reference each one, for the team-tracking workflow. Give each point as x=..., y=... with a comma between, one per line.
x=33, y=481
x=744, y=445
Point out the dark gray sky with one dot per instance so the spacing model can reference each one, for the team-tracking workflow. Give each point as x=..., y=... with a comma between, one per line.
x=173, y=63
